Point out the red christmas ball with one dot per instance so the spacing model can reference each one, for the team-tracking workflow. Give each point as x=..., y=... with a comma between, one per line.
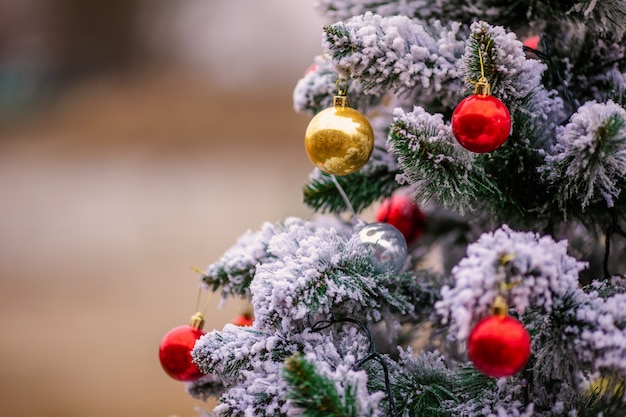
x=175, y=353
x=245, y=320
x=311, y=68
x=499, y=346
x=532, y=42
x=481, y=123
x=402, y=213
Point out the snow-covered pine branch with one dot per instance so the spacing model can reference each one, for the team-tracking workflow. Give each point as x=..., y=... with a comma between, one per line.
x=431, y=161
x=540, y=269
x=582, y=338
x=234, y=271
x=316, y=390
x=318, y=272
x=587, y=166
x=603, y=17
x=499, y=182
x=316, y=89
x=250, y=363
x=397, y=54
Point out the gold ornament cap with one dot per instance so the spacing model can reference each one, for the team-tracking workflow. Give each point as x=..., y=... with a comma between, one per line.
x=499, y=306
x=340, y=101
x=197, y=321
x=482, y=87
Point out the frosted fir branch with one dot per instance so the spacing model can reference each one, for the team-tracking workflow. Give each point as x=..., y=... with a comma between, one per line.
x=602, y=332
x=317, y=273
x=506, y=399
x=206, y=387
x=234, y=271
x=296, y=268
x=235, y=350
x=396, y=54
x=605, y=17
x=432, y=162
x=497, y=183
x=459, y=11
x=312, y=393
x=236, y=268
x=316, y=89
x=339, y=393
x=427, y=384
x=375, y=180
x=587, y=165
x=261, y=395
x=424, y=384
x=336, y=10
x=250, y=364
x=539, y=267
x=583, y=338
x=296, y=285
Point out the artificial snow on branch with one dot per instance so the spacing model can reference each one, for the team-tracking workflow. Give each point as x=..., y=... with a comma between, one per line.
x=538, y=268
x=396, y=54
x=587, y=165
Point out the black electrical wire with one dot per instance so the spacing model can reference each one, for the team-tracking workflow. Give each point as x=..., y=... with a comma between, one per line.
x=614, y=228
x=372, y=355
x=546, y=56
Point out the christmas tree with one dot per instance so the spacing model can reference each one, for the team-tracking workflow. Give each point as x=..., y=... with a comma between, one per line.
x=491, y=284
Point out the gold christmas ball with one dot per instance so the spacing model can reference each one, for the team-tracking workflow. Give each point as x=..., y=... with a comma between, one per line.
x=601, y=385
x=339, y=140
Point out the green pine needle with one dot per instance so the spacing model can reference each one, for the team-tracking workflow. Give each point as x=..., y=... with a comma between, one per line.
x=314, y=394
x=362, y=190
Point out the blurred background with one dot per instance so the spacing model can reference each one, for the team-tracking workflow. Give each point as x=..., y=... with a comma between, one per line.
x=138, y=139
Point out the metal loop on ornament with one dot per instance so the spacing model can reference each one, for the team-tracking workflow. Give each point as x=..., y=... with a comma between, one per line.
x=482, y=86
x=200, y=288
x=342, y=90
x=372, y=355
x=505, y=285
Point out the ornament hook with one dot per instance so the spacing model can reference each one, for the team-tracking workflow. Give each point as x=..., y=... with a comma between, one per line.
x=340, y=99
x=500, y=306
x=342, y=86
x=200, y=288
x=482, y=87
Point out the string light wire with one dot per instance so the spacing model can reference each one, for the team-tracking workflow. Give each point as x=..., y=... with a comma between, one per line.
x=372, y=354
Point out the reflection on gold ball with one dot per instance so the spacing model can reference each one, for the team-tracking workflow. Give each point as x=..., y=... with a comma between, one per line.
x=339, y=140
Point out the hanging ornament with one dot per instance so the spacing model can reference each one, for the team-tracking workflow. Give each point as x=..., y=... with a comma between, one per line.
x=402, y=213
x=532, y=42
x=612, y=384
x=175, y=350
x=311, y=68
x=499, y=345
x=481, y=123
x=388, y=247
x=245, y=319
x=339, y=140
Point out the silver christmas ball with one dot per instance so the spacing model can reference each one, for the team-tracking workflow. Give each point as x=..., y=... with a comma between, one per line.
x=388, y=247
